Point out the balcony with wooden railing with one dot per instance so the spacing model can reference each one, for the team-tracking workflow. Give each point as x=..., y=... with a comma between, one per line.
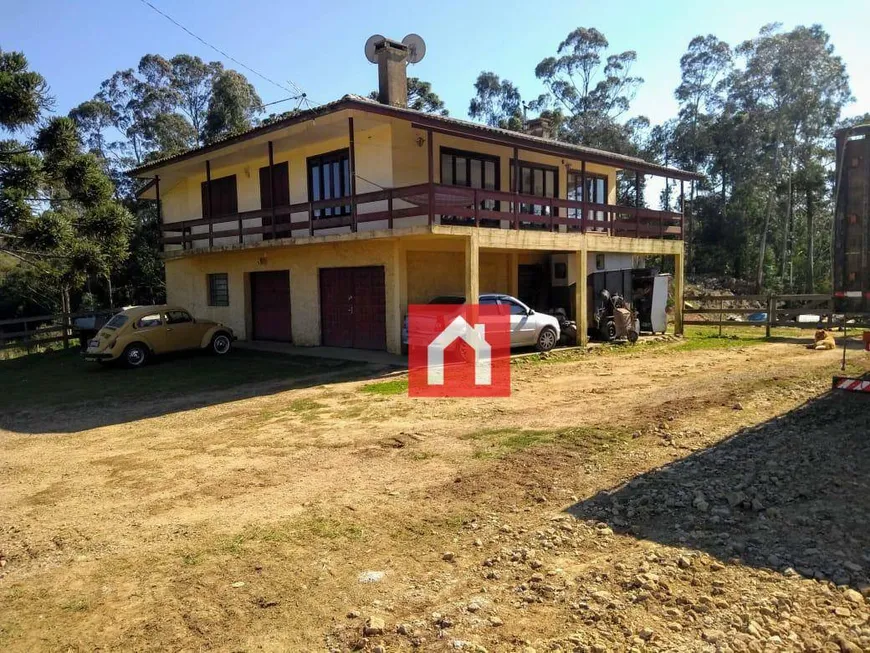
x=427, y=203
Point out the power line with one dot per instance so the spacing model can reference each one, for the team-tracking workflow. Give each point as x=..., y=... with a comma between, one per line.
x=298, y=91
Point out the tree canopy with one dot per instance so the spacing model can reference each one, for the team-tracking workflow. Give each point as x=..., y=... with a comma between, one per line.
x=59, y=215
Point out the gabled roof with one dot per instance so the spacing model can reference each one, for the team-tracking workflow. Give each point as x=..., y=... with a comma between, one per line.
x=444, y=124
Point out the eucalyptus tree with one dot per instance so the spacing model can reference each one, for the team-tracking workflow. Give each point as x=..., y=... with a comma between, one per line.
x=592, y=88
x=497, y=102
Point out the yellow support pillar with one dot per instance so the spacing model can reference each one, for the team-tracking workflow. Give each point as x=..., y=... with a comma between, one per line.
x=472, y=267
x=513, y=273
x=397, y=297
x=679, y=289
x=581, y=297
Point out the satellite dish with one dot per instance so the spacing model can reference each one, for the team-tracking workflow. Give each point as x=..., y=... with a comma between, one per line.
x=416, y=47
x=373, y=40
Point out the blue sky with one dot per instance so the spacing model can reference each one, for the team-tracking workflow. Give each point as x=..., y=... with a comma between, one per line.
x=319, y=45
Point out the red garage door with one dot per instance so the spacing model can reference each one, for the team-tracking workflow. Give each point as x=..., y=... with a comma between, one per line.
x=353, y=307
x=270, y=305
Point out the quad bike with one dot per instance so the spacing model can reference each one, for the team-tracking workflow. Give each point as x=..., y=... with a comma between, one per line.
x=614, y=320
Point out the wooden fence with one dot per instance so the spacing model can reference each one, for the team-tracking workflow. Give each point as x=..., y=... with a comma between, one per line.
x=30, y=332
x=778, y=310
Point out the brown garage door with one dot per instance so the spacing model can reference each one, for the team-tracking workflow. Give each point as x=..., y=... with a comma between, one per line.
x=353, y=307
x=270, y=305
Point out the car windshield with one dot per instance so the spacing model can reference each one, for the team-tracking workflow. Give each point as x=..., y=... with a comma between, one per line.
x=116, y=322
x=448, y=299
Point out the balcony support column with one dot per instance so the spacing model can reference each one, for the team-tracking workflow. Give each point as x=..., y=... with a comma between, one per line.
x=352, y=164
x=208, y=202
x=516, y=188
x=431, y=152
x=272, y=188
x=583, y=200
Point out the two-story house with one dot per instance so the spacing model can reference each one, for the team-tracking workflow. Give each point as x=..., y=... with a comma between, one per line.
x=321, y=228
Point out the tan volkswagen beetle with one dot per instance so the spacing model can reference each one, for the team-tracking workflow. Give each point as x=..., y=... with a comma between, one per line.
x=135, y=334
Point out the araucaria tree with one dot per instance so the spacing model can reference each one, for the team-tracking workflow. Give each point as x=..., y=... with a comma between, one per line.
x=59, y=215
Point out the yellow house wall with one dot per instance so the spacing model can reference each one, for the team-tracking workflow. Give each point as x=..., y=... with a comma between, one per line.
x=182, y=199
x=186, y=283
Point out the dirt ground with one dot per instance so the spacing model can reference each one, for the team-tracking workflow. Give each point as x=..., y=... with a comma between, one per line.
x=670, y=499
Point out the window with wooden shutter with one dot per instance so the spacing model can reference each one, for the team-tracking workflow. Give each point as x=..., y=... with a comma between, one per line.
x=224, y=197
x=281, y=182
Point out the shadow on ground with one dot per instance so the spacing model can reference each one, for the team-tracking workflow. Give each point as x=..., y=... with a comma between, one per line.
x=58, y=392
x=791, y=494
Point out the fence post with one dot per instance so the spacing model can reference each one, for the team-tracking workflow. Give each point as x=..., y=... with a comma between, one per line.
x=771, y=318
x=831, y=313
x=27, y=344
x=721, y=314
x=65, y=322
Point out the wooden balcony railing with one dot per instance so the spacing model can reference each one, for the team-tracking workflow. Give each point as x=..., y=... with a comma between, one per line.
x=453, y=204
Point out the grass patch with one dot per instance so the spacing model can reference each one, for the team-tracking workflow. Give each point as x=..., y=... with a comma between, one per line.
x=61, y=378
x=76, y=605
x=497, y=443
x=254, y=538
x=392, y=387
x=305, y=405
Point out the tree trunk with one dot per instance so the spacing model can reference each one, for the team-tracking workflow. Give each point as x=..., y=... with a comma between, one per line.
x=768, y=211
x=786, y=232
x=811, y=243
x=109, y=283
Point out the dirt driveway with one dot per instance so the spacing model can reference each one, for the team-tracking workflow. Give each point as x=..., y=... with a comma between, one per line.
x=674, y=498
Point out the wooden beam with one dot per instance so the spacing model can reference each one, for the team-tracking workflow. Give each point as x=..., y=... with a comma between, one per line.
x=583, y=198
x=516, y=188
x=272, y=186
x=431, y=148
x=208, y=200
x=352, y=162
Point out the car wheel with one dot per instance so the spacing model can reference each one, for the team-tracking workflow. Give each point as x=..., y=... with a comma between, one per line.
x=221, y=344
x=135, y=355
x=547, y=339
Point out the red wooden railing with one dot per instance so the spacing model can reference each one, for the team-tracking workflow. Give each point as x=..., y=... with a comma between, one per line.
x=455, y=205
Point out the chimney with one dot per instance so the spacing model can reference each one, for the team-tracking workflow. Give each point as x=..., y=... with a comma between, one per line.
x=539, y=127
x=392, y=58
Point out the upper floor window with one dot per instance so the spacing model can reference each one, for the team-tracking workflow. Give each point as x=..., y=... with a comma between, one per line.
x=539, y=180
x=461, y=168
x=218, y=289
x=224, y=197
x=596, y=193
x=329, y=178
